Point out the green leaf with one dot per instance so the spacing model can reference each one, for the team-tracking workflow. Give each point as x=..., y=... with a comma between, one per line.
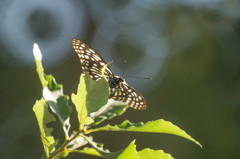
x=53, y=93
x=90, y=97
x=63, y=110
x=110, y=110
x=78, y=141
x=158, y=126
x=52, y=84
x=63, y=154
x=44, y=117
x=129, y=152
x=38, y=59
x=97, y=146
x=58, y=102
x=45, y=79
x=156, y=154
x=87, y=150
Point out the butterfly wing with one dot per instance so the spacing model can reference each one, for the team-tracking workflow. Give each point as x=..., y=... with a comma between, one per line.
x=128, y=95
x=91, y=61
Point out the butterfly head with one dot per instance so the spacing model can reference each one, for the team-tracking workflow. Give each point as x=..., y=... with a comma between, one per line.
x=120, y=80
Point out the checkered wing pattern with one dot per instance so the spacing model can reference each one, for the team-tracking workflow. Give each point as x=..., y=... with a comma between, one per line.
x=128, y=95
x=91, y=61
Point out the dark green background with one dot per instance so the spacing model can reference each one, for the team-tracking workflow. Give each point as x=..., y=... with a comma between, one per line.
x=199, y=90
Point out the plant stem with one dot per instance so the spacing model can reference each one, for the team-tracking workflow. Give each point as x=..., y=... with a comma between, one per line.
x=62, y=148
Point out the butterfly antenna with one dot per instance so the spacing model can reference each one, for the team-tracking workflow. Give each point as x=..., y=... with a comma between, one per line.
x=139, y=77
x=109, y=62
x=124, y=67
x=132, y=76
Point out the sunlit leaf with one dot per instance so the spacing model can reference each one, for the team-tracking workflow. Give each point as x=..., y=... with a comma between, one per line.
x=88, y=151
x=129, y=152
x=52, y=84
x=77, y=142
x=90, y=97
x=97, y=146
x=38, y=59
x=110, y=110
x=53, y=93
x=158, y=126
x=63, y=110
x=44, y=117
x=156, y=154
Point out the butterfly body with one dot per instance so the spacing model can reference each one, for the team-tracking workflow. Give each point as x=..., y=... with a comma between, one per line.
x=115, y=81
x=92, y=63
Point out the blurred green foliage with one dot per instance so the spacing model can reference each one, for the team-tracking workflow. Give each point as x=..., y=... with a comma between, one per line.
x=199, y=90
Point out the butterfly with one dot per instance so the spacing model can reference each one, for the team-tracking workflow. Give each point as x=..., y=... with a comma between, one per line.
x=92, y=63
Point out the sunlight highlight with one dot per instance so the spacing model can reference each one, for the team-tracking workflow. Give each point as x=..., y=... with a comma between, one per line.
x=37, y=52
